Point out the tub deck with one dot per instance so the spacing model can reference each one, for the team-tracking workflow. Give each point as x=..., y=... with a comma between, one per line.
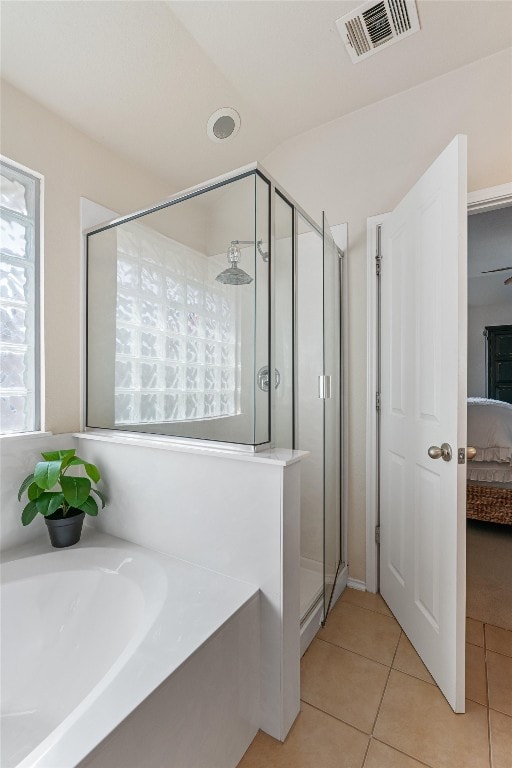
x=185, y=618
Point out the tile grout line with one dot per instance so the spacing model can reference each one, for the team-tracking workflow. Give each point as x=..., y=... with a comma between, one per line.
x=475, y=645
x=365, y=608
x=387, y=681
x=366, y=751
x=383, y=664
x=488, y=699
x=482, y=621
x=356, y=653
x=335, y=717
x=421, y=762
x=498, y=653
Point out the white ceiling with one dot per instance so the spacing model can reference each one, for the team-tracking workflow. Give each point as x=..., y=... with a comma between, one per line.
x=143, y=77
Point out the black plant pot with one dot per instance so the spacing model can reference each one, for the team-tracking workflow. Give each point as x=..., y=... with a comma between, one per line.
x=65, y=531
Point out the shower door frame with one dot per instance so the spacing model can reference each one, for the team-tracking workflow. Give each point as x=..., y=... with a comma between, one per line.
x=274, y=187
x=252, y=169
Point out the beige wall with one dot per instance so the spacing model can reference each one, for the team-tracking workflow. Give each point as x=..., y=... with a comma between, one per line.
x=360, y=165
x=73, y=166
x=478, y=319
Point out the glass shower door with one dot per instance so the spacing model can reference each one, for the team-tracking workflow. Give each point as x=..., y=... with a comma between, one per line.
x=309, y=410
x=318, y=411
x=332, y=410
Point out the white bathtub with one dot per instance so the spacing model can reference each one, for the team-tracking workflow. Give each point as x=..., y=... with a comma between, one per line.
x=90, y=632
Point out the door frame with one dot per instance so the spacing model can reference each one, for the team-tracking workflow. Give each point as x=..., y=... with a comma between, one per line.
x=488, y=199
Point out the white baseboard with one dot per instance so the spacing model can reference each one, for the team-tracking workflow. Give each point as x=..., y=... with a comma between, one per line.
x=356, y=584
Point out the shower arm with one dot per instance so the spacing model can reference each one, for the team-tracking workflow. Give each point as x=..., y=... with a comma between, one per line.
x=262, y=253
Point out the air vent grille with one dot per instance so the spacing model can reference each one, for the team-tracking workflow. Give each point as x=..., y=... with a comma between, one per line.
x=357, y=37
x=377, y=24
x=374, y=26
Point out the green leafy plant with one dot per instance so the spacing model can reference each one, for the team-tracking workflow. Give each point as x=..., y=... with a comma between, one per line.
x=51, y=490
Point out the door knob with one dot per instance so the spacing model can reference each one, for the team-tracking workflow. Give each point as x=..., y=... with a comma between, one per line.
x=444, y=452
x=470, y=453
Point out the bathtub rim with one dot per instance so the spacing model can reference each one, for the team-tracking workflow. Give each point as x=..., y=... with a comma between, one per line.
x=98, y=714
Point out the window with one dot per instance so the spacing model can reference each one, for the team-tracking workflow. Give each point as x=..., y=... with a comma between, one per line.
x=19, y=300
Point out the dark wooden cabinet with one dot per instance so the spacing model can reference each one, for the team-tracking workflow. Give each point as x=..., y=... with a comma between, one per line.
x=499, y=362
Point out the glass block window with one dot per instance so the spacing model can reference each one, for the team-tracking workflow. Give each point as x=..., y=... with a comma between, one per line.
x=177, y=346
x=19, y=263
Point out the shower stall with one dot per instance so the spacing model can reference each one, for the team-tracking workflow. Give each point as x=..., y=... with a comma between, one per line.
x=216, y=316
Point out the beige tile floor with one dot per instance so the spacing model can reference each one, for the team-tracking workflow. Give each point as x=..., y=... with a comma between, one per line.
x=369, y=702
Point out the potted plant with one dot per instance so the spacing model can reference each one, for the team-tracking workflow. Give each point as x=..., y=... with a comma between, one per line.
x=62, y=498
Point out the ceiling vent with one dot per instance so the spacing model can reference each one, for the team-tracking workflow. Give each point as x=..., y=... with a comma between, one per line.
x=374, y=26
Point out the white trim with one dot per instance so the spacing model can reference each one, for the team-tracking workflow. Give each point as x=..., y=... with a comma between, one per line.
x=277, y=456
x=40, y=378
x=490, y=199
x=20, y=167
x=357, y=584
x=41, y=318
x=11, y=436
x=482, y=200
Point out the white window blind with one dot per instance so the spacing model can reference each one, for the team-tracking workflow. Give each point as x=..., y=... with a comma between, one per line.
x=19, y=265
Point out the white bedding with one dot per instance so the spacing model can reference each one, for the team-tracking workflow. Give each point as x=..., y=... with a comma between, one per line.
x=490, y=431
x=489, y=472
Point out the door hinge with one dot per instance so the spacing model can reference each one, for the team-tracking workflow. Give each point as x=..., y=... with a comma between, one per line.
x=377, y=401
x=461, y=455
x=378, y=260
x=377, y=534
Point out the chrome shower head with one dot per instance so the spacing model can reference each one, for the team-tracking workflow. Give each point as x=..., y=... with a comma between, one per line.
x=233, y=275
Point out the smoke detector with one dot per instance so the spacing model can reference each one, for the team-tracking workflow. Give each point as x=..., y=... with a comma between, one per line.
x=374, y=26
x=223, y=124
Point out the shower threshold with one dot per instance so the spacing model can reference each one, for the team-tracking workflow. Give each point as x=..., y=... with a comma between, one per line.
x=311, y=589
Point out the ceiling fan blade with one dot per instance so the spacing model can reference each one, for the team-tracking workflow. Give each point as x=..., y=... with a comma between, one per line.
x=500, y=269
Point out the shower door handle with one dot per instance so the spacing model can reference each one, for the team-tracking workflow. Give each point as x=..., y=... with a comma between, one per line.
x=264, y=378
x=324, y=387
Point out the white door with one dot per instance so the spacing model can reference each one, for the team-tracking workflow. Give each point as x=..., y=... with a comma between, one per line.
x=423, y=405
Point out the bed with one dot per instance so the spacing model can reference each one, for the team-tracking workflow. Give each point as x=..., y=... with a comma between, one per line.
x=489, y=474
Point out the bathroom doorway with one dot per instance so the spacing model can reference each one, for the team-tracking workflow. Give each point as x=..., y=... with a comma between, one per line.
x=489, y=503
